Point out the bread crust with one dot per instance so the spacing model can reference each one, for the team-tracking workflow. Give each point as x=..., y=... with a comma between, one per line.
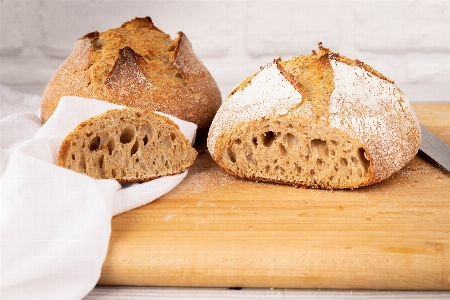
x=339, y=93
x=168, y=77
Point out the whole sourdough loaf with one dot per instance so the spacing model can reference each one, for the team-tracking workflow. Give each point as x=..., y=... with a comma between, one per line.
x=137, y=65
x=129, y=145
x=321, y=120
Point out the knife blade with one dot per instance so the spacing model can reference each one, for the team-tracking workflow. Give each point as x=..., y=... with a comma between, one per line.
x=434, y=149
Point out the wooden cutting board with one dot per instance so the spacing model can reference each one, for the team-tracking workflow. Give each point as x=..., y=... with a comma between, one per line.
x=215, y=230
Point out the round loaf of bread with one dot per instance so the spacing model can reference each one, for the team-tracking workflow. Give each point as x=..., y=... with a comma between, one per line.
x=321, y=120
x=137, y=65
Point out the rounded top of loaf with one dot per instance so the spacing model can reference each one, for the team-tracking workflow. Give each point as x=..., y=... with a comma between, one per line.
x=137, y=65
x=331, y=90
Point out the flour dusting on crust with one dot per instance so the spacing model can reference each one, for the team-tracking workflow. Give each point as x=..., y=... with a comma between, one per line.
x=377, y=113
x=269, y=93
x=322, y=120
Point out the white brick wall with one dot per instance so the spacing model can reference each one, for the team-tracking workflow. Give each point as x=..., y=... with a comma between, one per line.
x=408, y=41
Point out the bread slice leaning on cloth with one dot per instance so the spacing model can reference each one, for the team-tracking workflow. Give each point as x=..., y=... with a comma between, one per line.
x=129, y=145
x=321, y=120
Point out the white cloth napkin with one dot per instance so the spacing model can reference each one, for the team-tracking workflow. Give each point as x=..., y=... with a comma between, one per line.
x=56, y=223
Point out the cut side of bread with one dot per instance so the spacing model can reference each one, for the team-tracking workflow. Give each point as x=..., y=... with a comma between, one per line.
x=301, y=154
x=129, y=145
x=320, y=120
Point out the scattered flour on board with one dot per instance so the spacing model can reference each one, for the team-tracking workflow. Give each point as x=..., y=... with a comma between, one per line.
x=167, y=218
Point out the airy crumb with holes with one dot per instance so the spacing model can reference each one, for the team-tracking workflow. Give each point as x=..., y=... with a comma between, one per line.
x=129, y=145
x=296, y=152
x=321, y=120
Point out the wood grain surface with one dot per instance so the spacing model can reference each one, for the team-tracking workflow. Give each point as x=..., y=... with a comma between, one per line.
x=216, y=230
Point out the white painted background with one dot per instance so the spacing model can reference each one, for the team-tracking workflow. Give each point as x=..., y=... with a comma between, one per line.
x=407, y=41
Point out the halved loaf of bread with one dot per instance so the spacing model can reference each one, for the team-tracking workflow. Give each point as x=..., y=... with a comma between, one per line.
x=321, y=120
x=129, y=145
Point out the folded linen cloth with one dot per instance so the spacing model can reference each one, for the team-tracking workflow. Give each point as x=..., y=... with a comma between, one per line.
x=56, y=223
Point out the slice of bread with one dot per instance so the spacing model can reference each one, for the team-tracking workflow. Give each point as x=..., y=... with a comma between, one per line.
x=321, y=120
x=137, y=65
x=129, y=145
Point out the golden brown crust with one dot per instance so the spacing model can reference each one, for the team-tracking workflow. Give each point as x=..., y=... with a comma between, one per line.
x=367, y=113
x=326, y=52
x=137, y=65
x=72, y=72
x=127, y=72
x=290, y=78
x=317, y=88
x=141, y=22
x=198, y=80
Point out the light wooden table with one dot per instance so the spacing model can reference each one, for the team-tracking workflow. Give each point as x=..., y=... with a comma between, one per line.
x=131, y=293
x=117, y=265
